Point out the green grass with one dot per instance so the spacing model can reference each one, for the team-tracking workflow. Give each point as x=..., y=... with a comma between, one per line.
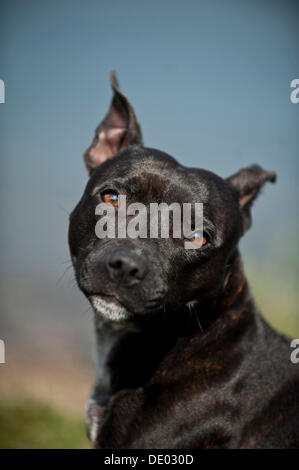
x=30, y=425
x=277, y=296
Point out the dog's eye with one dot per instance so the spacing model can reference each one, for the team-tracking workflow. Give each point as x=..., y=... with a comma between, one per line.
x=110, y=197
x=199, y=239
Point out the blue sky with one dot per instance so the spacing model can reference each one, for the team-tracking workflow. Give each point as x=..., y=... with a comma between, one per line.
x=210, y=83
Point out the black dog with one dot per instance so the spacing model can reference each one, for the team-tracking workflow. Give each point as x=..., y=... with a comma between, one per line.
x=185, y=359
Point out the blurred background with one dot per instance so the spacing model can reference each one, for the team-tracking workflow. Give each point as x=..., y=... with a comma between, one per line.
x=210, y=84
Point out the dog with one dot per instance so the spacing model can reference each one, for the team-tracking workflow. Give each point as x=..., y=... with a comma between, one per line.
x=184, y=358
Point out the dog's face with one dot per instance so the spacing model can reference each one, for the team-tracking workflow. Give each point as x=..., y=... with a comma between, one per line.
x=126, y=278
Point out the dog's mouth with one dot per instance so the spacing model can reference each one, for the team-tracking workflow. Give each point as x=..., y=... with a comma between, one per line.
x=109, y=308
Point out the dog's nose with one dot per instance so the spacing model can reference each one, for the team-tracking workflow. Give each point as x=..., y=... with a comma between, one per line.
x=126, y=267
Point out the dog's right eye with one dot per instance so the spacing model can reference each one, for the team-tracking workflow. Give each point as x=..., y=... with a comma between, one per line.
x=110, y=197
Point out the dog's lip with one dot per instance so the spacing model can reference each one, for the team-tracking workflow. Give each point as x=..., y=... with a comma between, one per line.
x=111, y=309
x=108, y=297
x=151, y=306
x=154, y=304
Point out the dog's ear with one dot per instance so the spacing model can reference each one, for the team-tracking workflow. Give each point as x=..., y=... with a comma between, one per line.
x=247, y=183
x=117, y=131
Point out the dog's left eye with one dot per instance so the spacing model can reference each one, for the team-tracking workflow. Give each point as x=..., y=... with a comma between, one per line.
x=199, y=239
x=110, y=198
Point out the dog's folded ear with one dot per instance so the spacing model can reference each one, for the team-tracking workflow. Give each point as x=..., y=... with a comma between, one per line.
x=247, y=183
x=117, y=131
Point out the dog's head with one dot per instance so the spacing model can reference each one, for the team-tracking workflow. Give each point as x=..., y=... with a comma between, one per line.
x=126, y=278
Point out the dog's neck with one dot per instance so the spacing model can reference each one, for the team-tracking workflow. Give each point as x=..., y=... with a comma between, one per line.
x=128, y=356
x=236, y=303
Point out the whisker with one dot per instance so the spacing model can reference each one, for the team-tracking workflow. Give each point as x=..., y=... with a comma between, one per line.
x=196, y=316
x=63, y=274
x=63, y=209
x=87, y=310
